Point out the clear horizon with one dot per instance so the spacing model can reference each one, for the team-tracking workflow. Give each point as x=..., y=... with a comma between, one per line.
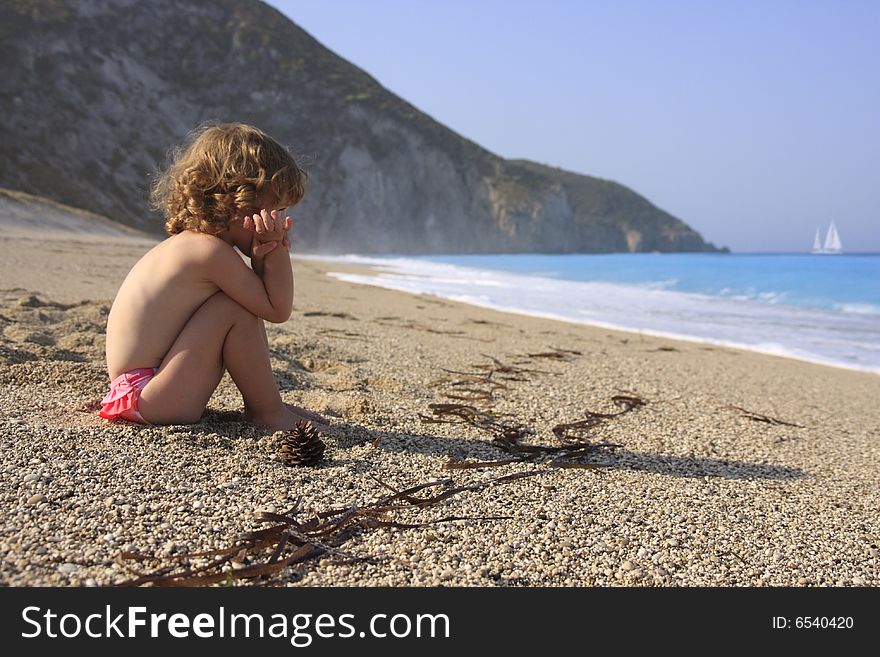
x=753, y=122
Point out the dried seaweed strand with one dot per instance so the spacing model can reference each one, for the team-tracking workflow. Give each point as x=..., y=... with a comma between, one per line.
x=508, y=436
x=758, y=417
x=429, y=329
x=342, y=333
x=510, y=369
x=290, y=542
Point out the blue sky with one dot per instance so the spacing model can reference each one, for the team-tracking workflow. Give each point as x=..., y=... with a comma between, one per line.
x=754, y=121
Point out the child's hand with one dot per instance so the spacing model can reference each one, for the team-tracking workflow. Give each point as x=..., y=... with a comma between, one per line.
x=268, y=226
x=259, y=249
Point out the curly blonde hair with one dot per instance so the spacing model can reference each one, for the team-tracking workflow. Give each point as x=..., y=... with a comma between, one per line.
x=222, y=171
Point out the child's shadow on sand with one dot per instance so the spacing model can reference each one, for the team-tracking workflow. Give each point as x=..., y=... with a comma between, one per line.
x=347, y=435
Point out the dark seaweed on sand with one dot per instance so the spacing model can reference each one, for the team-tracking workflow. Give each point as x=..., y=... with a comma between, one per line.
x=418, y=326
x=758, y=417
x=480, y=386
x=573, y=436
x=293, y=540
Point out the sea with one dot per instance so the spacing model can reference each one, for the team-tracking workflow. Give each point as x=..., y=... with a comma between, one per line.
x=818, y=308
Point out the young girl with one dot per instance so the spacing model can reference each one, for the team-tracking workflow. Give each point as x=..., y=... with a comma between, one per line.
x=191, y=308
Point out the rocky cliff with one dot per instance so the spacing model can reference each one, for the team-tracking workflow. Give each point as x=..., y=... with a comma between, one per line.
x=94, y=92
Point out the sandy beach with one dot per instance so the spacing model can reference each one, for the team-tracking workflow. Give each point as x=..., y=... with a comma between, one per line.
x=739, y=469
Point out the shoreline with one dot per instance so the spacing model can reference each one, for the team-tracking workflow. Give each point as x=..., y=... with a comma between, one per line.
x=645, y=332
x=740, y=469
x=776, y=351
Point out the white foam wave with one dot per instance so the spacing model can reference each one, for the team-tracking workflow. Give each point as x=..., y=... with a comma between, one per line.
x=667, y=284
x=858, y=308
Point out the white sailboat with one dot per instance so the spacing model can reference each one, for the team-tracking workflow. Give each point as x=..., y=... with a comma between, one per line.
x=832, y=245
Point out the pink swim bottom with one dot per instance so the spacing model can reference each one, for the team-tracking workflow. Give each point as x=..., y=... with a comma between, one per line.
x=121, y=403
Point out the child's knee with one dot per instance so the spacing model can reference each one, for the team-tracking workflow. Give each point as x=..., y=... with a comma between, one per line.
x=231, y=308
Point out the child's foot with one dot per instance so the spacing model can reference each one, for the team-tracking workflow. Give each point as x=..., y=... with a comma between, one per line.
x=283, y=420
x=309, y=416
x=289, y=415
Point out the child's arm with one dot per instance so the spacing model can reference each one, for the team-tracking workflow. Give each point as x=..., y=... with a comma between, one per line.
x=270, y=231
x=276, y=272
x=267, y=294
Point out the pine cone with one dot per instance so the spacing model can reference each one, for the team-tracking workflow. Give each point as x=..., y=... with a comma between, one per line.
x=301, y=446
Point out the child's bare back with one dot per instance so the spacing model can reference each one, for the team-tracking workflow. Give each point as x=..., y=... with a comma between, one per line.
x=191, y=309
x=157, y=298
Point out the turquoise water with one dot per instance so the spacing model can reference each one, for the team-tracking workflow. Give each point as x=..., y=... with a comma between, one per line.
x=818, y=308
x=847, y=283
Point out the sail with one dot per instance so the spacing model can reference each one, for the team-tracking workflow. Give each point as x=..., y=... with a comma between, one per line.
x=832, y=239
x=832, y=245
